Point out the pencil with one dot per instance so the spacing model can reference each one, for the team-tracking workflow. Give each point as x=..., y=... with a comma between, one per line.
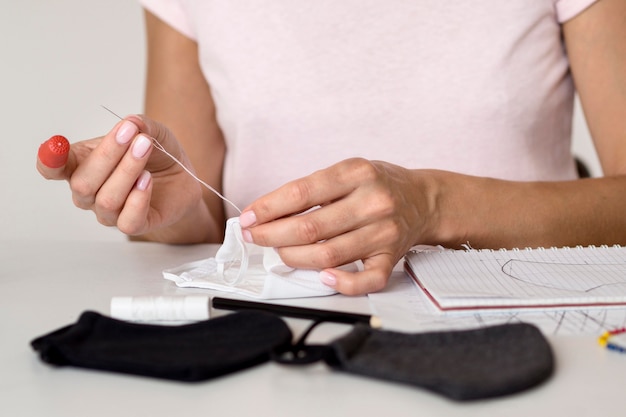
x=297, y=312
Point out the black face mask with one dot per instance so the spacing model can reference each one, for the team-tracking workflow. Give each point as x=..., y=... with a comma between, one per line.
x=462, y=365
x=191, y=352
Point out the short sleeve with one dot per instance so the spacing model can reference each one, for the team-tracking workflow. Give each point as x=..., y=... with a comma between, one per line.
x=172, y=12
x=568, y=9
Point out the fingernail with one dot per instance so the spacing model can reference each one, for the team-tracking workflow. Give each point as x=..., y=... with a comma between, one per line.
x=247, y=236
x=144, y=181
x=126, y=132
x=141, y=146
x=247, y=219
x=328, y=279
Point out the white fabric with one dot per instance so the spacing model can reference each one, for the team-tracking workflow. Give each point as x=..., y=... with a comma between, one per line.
x=250, y=270
x=479, y=87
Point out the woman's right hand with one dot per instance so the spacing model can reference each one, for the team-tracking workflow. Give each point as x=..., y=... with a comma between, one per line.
x=130, y=185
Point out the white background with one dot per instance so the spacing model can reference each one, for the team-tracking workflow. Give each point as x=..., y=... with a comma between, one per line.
x=60, y=61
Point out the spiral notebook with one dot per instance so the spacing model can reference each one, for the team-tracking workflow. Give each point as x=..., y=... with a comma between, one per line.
x=521, y=278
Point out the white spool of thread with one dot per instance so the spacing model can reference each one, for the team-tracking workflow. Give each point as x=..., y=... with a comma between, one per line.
x=160, y=308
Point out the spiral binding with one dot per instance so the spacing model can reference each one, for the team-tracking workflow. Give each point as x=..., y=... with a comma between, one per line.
x=468, y=248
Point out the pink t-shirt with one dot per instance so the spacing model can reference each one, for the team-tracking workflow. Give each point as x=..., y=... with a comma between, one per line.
x=478, y=87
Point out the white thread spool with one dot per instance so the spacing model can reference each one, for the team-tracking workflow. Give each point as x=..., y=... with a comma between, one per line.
x=174, y=308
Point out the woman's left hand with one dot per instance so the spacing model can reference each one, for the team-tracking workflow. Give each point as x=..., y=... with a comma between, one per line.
x=365, y=210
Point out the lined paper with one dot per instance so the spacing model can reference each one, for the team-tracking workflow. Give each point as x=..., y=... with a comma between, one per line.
x=404, y=307
x=555, y=277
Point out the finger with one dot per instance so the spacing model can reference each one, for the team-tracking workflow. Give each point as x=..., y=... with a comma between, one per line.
x=316, y=225
x=134, y=217
x=360, y=243
x=319, y=188
x=112, y=195
x=165, y=140
x=374, y=277
x=52, y=157
x=103, y=159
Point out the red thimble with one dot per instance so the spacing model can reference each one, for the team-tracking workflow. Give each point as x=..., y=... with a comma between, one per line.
x=53, y=153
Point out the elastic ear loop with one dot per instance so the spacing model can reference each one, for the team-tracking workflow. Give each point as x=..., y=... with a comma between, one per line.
x=222, y=267
x=300, y=353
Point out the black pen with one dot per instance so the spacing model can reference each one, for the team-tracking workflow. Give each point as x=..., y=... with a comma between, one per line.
x=296, y=312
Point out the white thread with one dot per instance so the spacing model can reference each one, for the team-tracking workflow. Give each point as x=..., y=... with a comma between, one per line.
x=160, y=147
x=186, y=308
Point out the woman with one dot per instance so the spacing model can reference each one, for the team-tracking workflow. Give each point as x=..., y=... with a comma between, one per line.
x=468, y=104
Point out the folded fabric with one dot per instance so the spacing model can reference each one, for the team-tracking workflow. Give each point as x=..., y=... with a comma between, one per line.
x=193, y=352
x=247, y=269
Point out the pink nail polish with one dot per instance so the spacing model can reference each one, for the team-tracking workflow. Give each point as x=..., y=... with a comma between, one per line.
x=328, y=279
x=247, y=236
x=247, y=219
x=143, y=182
x=125, y=132
x=141, y=146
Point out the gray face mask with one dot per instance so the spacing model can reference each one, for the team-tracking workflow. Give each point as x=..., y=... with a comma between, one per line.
x=247, y=269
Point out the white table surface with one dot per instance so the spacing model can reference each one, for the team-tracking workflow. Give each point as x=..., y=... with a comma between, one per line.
x=45, y=286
